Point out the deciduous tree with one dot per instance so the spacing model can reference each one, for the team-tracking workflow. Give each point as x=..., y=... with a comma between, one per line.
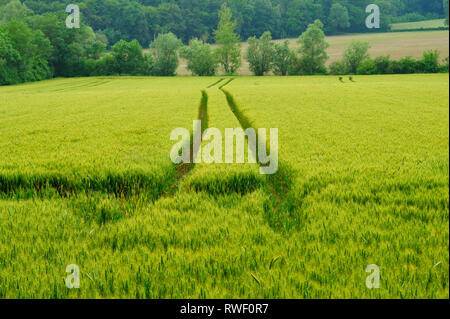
x=200, y=58
x=283, y=58
x=165, y=54
x=313, y=48
x=356, y=53
x=260, y=54
x=229, y=50
x=338, y=18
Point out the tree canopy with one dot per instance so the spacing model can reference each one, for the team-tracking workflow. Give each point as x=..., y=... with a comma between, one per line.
x=187, y=19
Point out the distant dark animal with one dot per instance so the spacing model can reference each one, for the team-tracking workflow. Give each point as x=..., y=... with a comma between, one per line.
x=351, y=79
x=341, y=79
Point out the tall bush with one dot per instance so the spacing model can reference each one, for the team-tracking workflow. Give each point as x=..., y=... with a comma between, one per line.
x=355, y=54
x=201, y=59
x=164, y=52
x=260, y=54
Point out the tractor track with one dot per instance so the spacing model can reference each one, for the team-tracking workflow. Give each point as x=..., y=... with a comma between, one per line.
x=281, y=208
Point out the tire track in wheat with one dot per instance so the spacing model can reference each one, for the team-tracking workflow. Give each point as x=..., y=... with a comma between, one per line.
x=281, y=207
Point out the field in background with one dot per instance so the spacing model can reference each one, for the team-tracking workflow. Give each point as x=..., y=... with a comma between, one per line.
x=428, y=24
x=363, y=179
x=397, y=45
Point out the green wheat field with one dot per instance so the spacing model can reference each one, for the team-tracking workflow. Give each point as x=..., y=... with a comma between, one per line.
x=86, y=179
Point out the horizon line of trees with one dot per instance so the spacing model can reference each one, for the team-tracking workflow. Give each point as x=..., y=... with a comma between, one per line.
x=143, y=20
x=37, y=47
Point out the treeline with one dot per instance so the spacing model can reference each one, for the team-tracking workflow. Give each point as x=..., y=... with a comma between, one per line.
x=187, y=19
x=356, y=60
x=265, y=56
x=37, y=47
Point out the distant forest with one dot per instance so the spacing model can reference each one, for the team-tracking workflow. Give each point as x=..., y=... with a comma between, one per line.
x=145, y=19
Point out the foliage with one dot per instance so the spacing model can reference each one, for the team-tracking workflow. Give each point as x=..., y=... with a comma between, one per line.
x=283, y=58
x=445, y=5
x=25, y=53
x=128, y=58
x=228, y=51
x=164, y=52
x=69, y=46
x=313, y=48
x=406, y=65
x=379, y=65
x=9, y=61
x=356, y=53
x=14, y=10
x=201, y=59
x=383, y=65
x=260, y=54
x=96, y=50
x=338, y=20
x=338, y=68
x=430, y=61
x=187, y=19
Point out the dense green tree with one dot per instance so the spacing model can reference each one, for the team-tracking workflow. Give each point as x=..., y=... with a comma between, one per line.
x=164, y=51
x=170, y=19
x=9, y=61
x=201, y=59
x=298, y=14
x=338, y=68
x=145, y=19
x=430, y=61
x=383, y=65
x=260, y=54
x=95, y=50
x=379, y=65
x=254, y=17
x=118, y=20
x=105, y=66
x=313, y=48
x=128, y=58
x=445, y=6
x=406, y=65
x=68, y=45
x=228, y=51
x=338, y=20
x=367, y=67
x=14, y=10
x=283, y=58
x=33, y=51
x=355, y=54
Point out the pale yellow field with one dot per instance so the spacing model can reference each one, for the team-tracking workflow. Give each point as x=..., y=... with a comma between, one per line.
x=428, y=24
